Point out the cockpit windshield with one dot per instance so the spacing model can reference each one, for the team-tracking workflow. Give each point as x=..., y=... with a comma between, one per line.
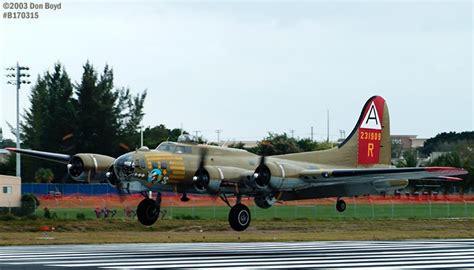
x=124, y=165
x=174, y=148
x=166, y=147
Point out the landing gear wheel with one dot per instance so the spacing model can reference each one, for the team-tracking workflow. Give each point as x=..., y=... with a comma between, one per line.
x=239, y=217
x=148, y=212
x=341, y=205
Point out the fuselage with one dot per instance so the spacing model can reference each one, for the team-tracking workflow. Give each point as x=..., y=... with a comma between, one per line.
x=171, y=168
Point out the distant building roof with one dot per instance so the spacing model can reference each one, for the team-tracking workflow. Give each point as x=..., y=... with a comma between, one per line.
x=403, y=136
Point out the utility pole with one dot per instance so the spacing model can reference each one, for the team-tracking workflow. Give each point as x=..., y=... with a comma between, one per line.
x=312, y=134
x=197, y=133
x=18, y=81
x=342, y=134
x=292, y=131
x=218, y=131
x=328, y=125
x=141, y=136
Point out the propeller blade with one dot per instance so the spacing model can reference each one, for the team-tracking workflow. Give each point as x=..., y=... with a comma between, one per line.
x=262, y=160
x=114, y=180
x=202, y=158
x=201, y=178
x=120, y=192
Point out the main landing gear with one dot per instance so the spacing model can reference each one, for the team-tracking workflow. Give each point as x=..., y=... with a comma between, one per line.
x=148, y=210
x=340, y=205
x=239, y=215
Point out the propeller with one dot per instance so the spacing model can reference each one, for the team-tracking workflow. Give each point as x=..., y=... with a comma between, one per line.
x=75, y=166
x=262, y=174
x=201, y=177
x=115, y=181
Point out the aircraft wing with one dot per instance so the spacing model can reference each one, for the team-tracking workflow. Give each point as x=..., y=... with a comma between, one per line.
x=341, y=176
x=61, y=158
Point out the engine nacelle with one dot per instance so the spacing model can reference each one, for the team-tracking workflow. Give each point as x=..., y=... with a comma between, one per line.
x=211, y=179
x=265, y=201
x=87, y=167
x=271, y=175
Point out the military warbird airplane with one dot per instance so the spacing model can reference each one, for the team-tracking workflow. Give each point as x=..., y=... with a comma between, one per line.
x=360, y=165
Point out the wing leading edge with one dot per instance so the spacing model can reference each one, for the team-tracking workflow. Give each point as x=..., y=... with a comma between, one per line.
x=61, y=158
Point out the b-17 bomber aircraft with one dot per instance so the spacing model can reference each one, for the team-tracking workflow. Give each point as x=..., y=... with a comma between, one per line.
x=360, y=165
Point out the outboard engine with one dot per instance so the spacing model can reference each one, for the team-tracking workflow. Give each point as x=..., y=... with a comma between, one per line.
x=87, y=167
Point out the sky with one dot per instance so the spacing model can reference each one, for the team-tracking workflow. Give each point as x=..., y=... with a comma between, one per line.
x=249, y=68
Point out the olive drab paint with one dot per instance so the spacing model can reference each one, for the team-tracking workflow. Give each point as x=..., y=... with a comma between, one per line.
x=370, y=132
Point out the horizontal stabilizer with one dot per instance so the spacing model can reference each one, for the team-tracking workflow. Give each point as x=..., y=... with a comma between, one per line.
x=375, y=174
x=441, y=178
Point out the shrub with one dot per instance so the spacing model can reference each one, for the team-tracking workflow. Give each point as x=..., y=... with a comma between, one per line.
x=187, y=217
x=29, y=204
x=43, y=175
x=8, y=217
x=80, y=216
x=47, y=213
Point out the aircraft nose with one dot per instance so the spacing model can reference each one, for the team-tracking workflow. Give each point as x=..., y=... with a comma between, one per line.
x=124, y=165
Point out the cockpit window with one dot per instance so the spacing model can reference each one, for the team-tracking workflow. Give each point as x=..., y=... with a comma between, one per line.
x=142, y=164
x=124, y=165
x=166, y=147
x=173, y=148
x=179, y=149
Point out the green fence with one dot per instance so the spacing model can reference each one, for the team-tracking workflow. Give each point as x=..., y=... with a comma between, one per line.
x=310, y=212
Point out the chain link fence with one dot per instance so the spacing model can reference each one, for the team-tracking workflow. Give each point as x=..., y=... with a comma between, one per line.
x=209, y=208
x=71, y=201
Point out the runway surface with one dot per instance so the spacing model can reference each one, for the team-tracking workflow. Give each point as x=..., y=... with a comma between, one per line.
x=332, y=254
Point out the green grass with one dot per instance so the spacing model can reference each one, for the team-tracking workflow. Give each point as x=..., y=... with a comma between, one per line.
x=309, y=212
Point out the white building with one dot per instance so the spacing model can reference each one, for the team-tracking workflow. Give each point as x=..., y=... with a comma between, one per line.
x=10, y=191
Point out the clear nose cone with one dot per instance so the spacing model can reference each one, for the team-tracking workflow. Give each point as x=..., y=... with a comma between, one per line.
x=124, y=165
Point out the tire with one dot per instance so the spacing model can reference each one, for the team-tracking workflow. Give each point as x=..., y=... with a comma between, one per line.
x=239, y=217
x=147, y=212
x=341, y=205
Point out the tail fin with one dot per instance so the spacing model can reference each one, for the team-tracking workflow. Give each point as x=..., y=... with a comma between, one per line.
x=368, y=144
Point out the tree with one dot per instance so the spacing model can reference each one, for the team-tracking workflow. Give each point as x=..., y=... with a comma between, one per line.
x=463, y=157
x=446, y=142
x=152, y=137
x=96, y=124
x=307, y=144
x=44, y=175
x=237, y=145
x=97, y=120
x=277, y=144
x=130, y=111
x=7, y=143
x=107, y=120
x=49, y=120
x=9, y=166
x=410, y=159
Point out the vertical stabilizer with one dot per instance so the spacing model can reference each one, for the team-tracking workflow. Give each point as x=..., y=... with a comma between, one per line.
x=367, y=145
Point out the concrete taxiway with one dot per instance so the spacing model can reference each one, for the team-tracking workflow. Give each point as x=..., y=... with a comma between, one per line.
x=457, y=253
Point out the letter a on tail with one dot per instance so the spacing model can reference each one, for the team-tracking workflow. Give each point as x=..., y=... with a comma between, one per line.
x=370, y=131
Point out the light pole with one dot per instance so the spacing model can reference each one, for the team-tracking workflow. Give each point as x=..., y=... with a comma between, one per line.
x=17, y=79
x=218, y=131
